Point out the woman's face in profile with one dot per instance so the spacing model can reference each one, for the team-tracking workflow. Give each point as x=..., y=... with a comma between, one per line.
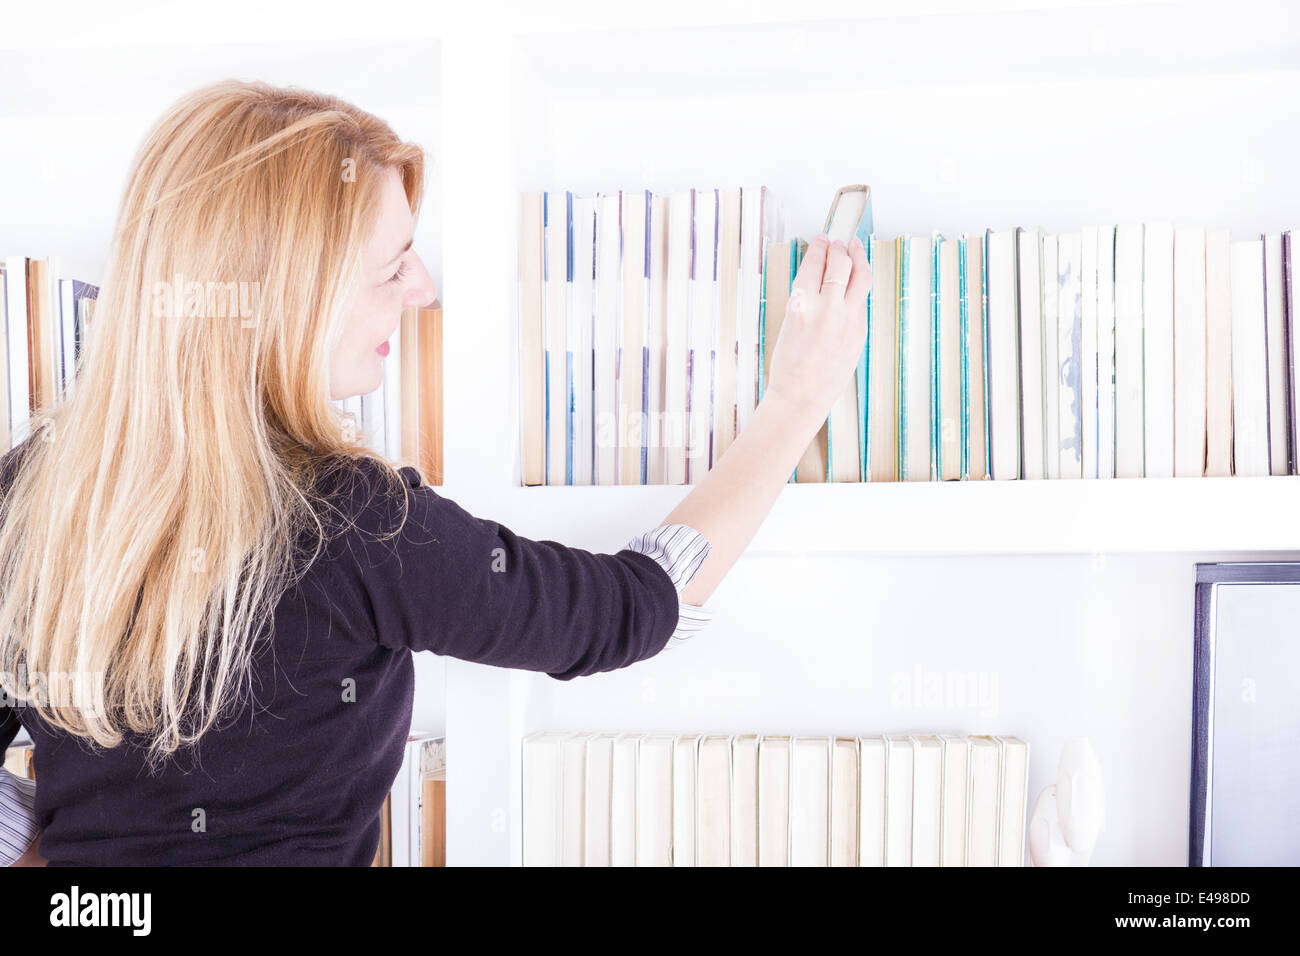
x=392, y=279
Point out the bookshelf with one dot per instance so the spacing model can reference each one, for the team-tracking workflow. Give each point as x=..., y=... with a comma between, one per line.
x=1072, y=598
x=1070, y=602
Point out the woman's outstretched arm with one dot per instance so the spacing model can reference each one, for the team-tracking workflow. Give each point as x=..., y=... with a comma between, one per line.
x=821, y=340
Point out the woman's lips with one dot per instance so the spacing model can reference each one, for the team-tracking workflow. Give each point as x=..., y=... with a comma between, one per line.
x=383, y=348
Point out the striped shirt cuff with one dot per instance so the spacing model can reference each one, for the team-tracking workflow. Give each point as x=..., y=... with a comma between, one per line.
x=18, y=827
x=680, y=550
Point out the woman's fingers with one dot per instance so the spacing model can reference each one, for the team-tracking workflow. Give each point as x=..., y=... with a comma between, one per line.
x=860, y=283
x=808, y=280
x=835, y=281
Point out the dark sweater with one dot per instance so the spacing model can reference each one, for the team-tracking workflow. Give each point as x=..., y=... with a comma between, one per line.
x=300, y=778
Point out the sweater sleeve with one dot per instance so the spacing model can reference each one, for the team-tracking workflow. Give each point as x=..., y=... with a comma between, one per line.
x=680, y=550
x=470, y=588
x=18, y=827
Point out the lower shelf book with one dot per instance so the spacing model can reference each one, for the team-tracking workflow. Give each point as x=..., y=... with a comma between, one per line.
x=628, y=799
x=414, y=831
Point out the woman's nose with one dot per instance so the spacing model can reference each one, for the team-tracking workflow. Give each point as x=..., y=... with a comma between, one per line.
x=422, y=292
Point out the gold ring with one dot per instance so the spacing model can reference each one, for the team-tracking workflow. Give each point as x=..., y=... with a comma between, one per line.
x=833, y=282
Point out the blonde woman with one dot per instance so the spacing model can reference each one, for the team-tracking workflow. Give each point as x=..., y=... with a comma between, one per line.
x=210, y=590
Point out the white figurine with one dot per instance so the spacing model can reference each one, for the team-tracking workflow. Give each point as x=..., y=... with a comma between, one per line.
x=1069, y=814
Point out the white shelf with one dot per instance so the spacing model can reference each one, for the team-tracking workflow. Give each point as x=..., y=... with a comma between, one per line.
x=1148, y=515
x=1076, y=596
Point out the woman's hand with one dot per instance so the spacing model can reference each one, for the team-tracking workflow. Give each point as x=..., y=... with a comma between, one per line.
x=825, y=327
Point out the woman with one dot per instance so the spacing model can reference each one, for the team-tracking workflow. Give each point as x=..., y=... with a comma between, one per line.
x=210, y=590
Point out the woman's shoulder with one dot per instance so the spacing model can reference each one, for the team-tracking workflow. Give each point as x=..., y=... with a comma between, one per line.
x=365, y=494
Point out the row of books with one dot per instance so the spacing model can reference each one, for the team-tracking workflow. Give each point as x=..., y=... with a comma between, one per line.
x=44, y=316
x=610, y=799
x=402, y=419
x=1134, y=350
x=639, y=335
x=414, y=819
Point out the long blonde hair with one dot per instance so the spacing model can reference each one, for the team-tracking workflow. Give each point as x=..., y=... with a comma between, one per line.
x=153, y=524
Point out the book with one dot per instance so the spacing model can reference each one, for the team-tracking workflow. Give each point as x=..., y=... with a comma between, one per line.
x=844, y=817
x=1051, y=306
x=899, y=768
x=1032, y=374
x=532, y=355
x=974, y=318
x=1130, y=427
x=882, y=377
x=1218, y=354
x=949, y=364
x=713, y=807
x=744, y=800
x=1249, y=359
x=1069, y=318
x=1004, y=356
x=1278, y=376
x=1190, y=337
x=774, y=759
x=1158, y=349
x=810, y=768
x=915, y=360
x=632, y=355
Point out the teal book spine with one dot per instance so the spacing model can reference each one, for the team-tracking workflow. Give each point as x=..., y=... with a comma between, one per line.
x=796, y=256
x=904, y=320
x=936, y=449
x=864, y=375
x=984, y=311
x=964, y=324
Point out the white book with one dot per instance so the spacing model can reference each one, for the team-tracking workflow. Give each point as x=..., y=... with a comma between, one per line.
x=1012, y=800
x=956, y=751
x=685, y=760
x=1004, y=356
x=15, y=292
x=1106, y=352
x=773, y=801
x=657, y=344
x=917, y=342
x=898, y=800
x=744, y=800
x=1275, y=324
x=1051, y=358
x=984, y=792
x=713, y=818
x=1158, y=348
x=871, y=801
x=844, y=802
x=810, y=802
x=927, y=793
x=654, y=800
x=622, y=800
x=582, y=304
x=1088, y=329
x=1218, y=357
x=598, y=800
x=1130, y=428
x=1249, y=360
x=609, y=297
x=704, y=307
x=1033, y=432
x=681, y=219
x=1189, y=352
x=543, y=797
x=1069, y=325
x=574, y=799
x=1293, y=316
x=555, y=227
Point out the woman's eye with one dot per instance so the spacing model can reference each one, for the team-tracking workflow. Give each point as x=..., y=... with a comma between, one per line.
x=401, y=271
